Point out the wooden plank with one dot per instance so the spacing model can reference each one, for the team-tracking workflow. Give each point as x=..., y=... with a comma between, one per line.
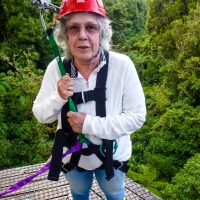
x=20, y=170
x=42, y=189
x=12, y=176
x=46, y=193
x=41, y=184
x=42, y=194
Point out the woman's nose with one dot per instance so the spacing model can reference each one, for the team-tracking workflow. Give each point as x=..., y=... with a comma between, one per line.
x=82, y=32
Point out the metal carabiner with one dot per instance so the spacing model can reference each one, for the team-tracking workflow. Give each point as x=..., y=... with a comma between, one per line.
x=44, y=5
x=114, y=148
x=47, y=2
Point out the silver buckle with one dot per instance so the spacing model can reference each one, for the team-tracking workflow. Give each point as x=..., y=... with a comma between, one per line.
x=121, y=164
x=63, y=167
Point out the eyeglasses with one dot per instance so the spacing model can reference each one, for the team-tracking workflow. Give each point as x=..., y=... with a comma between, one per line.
x=89, y=28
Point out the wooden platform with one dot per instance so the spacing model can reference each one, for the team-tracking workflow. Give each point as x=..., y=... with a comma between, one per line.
x=42, y=189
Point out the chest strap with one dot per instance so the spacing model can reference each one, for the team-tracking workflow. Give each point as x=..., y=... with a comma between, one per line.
x=90, y=95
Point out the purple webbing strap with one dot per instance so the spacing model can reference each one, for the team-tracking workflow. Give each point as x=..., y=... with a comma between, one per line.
x=26, y=180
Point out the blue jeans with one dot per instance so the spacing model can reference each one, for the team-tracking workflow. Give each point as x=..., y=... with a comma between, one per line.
x=81, y=183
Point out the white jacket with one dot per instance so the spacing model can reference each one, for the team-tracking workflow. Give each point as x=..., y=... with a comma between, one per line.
x=125, y=106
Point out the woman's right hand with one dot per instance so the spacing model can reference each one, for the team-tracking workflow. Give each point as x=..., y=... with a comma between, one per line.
x=65, y=87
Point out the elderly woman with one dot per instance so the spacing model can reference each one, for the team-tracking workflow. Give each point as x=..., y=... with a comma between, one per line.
x=108, y=96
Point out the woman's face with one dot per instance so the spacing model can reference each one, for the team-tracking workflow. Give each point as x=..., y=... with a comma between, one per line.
x=85, y=43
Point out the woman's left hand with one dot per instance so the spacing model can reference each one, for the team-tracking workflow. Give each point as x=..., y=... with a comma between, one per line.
x=76, y=120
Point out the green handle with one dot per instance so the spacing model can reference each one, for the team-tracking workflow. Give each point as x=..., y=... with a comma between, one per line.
x=56, y=53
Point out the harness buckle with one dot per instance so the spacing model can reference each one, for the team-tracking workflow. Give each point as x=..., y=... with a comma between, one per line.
x=63, y=168
x=121, y=164
x=83, y=96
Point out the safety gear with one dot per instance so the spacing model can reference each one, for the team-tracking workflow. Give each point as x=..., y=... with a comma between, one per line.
x=65, y=137
x=72, y=6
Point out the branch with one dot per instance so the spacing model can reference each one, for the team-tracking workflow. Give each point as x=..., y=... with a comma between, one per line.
x=4, y=58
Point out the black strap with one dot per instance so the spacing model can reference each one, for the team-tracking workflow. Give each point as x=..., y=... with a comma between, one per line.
x=67, y=167
x=69, y=138
x=99, y=95
x=90, y=95
x=69, y=133
x=75, y=157
x=100, y=92
x=93, y=149
x=108, y=162
x=56, y=161
x=122, y=166
x=100, y=89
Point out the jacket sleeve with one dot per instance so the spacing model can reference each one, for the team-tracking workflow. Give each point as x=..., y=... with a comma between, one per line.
x=129, y=110
x=48, y=103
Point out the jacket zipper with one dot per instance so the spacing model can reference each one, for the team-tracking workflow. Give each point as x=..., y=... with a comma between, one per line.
x=87, y=84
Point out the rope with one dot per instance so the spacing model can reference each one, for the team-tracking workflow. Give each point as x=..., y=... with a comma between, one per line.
x=21, y=183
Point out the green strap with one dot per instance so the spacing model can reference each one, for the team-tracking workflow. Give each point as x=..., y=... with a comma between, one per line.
x=56, y=53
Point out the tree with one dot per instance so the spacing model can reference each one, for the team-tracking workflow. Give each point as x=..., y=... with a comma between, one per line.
x=21, y=30
x=128, y=19
x=147, y=176
x=170, y=74
x=186, y=184
x=23, y=140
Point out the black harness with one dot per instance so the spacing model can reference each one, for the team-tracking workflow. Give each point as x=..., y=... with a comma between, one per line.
x=66, y=136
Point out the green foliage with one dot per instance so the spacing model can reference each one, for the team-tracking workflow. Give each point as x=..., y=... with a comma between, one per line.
x=175, y=138
x=169, y=70
x=21, y=32
x=23, y=139
x=4, y=86
x=20, y=25
x=147, y=176
x=182, y=74
x=186, y=184
x=24, y=48
x=128, y=19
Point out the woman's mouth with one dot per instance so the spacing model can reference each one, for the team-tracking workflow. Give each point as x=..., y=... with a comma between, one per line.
x=82, y=47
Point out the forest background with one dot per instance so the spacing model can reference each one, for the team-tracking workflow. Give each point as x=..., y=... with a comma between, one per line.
x=162, y=37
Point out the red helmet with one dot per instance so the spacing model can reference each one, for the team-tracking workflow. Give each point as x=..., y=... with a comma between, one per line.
x=71, y=6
